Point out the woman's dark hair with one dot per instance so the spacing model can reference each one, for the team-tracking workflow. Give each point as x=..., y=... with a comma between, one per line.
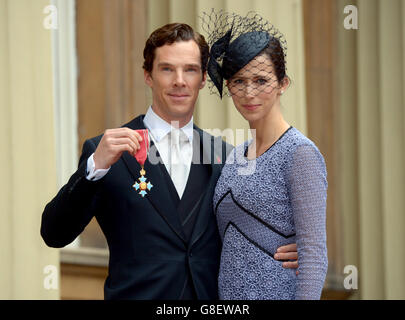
x=275, y=52
x=169, y=34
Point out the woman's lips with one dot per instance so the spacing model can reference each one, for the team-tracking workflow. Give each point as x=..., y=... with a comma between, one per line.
x=251, y=107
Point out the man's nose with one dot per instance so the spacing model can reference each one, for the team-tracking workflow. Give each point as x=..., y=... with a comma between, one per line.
x=179, y=79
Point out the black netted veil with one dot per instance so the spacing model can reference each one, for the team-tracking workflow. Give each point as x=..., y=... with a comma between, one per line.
x=235, y=43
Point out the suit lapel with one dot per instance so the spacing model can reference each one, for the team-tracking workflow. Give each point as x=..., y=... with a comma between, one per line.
x=159, y=195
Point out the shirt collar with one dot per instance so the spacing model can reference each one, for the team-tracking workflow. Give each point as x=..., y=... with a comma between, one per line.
x=159, y=128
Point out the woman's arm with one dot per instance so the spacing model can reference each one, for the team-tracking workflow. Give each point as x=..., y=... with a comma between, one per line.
x=307, y=188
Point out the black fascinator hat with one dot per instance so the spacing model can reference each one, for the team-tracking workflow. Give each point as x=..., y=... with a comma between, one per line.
x=234, y=42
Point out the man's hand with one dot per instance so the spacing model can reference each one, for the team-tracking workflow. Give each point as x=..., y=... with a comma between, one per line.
x=288, y=252
x=113, y=143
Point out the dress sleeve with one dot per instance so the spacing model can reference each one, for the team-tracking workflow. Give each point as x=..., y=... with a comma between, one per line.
x=307, y=188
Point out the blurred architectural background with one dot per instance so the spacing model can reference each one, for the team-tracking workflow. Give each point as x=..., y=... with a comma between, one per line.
x=73, y=68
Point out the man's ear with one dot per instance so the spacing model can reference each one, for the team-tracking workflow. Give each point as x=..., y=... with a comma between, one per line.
x=148, y=78
x=204, y=80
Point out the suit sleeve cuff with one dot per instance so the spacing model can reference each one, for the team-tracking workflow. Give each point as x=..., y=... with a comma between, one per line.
x=91, y=173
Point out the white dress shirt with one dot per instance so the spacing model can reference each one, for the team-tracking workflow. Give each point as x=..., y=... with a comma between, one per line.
x=159, y=131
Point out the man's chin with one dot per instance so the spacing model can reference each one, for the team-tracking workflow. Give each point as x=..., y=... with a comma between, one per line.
x=181, y=109
x=181, y=115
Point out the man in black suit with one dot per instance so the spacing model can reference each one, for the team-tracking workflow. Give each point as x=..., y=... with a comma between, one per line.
x=165, y=244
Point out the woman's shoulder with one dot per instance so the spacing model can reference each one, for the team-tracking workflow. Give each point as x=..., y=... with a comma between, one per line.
x=303, y=150
x=296, y=137
x=297, y=142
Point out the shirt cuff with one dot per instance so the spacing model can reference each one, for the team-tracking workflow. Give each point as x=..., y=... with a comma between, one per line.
x=91, y=173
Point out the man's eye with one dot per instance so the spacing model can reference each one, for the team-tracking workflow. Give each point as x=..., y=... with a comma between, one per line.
x=191, y=70
x=166, y=69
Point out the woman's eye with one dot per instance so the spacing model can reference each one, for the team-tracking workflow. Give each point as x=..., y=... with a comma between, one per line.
x=261, y=81
x=238, y=81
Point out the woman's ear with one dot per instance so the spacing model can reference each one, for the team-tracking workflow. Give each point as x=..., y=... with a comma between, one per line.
x=285, y=83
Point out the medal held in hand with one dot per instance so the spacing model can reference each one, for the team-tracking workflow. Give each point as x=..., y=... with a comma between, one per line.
x=141, y=185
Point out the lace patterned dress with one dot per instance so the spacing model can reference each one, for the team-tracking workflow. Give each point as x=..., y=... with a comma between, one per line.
x=262, y=204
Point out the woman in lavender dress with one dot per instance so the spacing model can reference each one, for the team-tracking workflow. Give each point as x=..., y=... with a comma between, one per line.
x=272, y=190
